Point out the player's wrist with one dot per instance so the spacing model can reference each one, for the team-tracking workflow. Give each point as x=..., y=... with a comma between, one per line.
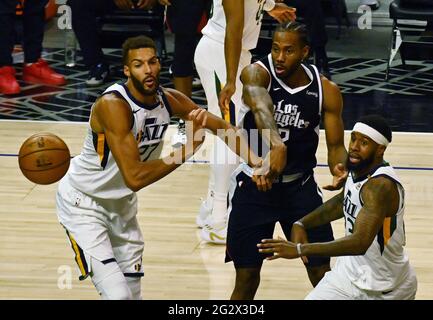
x=269, y=5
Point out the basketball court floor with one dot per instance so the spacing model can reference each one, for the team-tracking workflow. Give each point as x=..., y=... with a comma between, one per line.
x=37, y=262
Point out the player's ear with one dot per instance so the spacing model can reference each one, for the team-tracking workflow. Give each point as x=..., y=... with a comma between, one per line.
x=126, y=71
x=305, y=52
x=381, y=150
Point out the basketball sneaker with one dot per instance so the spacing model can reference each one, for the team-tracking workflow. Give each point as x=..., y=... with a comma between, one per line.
x=214, y=233
x=40, y=72
x=98, y=74
x=8, y=82
x=203, y=214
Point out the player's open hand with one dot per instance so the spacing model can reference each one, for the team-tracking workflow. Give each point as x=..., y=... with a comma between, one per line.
x=279, y=247
x=225, y=96
x=338, y=179
x=283, y=13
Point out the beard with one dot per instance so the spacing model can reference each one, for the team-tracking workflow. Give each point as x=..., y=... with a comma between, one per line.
x=139, y=86
x=361, y=165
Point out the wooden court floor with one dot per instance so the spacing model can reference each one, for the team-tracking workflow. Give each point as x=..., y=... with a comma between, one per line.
x=36, y=261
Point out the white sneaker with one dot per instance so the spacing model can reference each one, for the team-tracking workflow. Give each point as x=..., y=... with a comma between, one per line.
x=196, y=82
x=179, y=138
x=203, y=214
x=373, y=4
x=213, y=234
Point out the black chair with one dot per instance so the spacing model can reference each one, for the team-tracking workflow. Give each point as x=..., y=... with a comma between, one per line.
x=408, y=33
x=120, y=25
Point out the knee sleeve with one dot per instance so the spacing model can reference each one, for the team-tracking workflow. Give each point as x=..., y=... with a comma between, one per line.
x=110, y=281
x=134, y=284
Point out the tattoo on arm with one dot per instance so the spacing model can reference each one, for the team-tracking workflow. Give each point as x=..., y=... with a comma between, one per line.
x=329, y=211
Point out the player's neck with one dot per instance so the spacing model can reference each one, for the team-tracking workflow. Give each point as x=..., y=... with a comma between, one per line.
x=368, y=170
x=145, y=99
x=298, y=78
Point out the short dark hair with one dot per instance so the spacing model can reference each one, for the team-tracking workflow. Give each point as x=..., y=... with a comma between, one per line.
x=378, y=123
x=136, y=43
x=293, y=26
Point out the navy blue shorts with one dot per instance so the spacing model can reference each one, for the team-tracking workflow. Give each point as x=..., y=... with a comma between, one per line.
x=254, y=214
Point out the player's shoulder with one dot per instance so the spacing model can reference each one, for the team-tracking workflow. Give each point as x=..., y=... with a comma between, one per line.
x=380, y=185
x=255, y=74
x=111, y=102
x=329, y=85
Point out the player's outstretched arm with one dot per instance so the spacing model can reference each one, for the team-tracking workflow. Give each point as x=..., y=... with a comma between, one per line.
x=381, y=200
x=113, y=117
x=186, y=109
x=334, y=130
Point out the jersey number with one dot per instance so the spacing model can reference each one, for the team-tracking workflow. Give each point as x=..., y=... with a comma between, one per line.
x=284, y=134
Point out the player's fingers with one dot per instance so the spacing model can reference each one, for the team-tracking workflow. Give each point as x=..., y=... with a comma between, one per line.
x=264, y=241
x=275, y=256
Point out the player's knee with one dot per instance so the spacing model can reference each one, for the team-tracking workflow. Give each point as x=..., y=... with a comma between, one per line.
x=114, y=290
x=248, y=278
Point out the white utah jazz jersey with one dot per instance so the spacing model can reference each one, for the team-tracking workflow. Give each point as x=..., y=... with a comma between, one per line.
x=216, y=26
x=385, y=264
x=95, y=171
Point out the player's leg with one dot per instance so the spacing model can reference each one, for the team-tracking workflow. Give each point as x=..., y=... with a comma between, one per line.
x=109, y=280
x=248, y=224
x=87, y=230
x=333, y=286
x=127, y=242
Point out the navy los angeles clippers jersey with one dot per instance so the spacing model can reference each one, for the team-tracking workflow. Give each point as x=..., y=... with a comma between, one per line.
x=297, y=114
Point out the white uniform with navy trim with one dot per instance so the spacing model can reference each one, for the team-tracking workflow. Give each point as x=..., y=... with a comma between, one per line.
x=94, y=204
x=383, y=272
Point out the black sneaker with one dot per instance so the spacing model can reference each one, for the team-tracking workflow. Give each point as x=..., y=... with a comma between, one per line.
x=98, y=74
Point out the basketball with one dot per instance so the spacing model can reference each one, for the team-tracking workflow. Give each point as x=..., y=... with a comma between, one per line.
x=44, y=158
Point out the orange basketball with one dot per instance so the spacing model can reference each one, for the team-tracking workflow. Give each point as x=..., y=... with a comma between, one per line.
x=44, y=158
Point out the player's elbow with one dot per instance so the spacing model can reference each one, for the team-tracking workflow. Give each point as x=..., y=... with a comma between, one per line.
x=132, y=184
x=361, y=246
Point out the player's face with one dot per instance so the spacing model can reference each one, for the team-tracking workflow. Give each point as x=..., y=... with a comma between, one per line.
x=287, y=53
x=363, y=152
x=143, y=69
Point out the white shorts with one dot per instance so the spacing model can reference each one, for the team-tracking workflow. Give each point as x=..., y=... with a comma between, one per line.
x=106, y=230
x=211, y=50
x=335, y=285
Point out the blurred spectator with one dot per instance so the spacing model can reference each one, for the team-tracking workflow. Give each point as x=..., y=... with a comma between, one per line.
x=312, y=13
x=185, y=19
x=35, y=70
x=84, y=24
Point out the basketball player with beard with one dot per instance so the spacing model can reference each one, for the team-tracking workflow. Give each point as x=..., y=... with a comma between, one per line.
x=372, y=262
x=290, y=98
x=96, y=200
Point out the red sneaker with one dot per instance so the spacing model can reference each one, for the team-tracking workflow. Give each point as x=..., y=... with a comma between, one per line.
x=8, y=82
x=40, y=72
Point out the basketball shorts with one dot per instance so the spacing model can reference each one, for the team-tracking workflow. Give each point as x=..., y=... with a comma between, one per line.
x=336, y=285
x=102, y=229
x=253, y=215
